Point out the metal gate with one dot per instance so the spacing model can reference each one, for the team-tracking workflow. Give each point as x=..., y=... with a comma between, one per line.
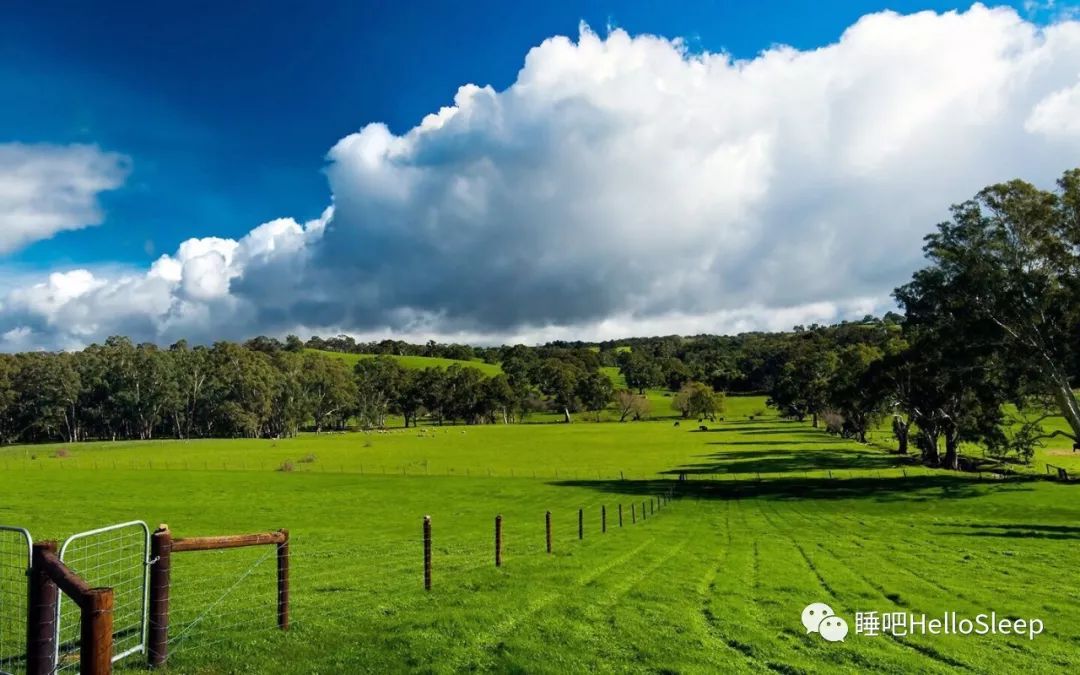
x=117, y=557
x=15, y=552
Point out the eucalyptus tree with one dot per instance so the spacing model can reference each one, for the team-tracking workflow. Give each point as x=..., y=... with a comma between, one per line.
x=1012, y=254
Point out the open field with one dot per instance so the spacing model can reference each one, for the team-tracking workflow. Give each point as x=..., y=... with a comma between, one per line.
x=417, y=362
x=714, y=582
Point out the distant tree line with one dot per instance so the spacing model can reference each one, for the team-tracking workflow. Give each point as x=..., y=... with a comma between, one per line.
x=992, y=320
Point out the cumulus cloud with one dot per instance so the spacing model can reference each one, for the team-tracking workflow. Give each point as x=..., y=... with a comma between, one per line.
x=625, y=185
x=45, y=189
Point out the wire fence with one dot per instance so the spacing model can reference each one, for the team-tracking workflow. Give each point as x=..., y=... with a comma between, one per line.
x=243, y=589
x=112, y=557
x=227, y=597
x=15, y=546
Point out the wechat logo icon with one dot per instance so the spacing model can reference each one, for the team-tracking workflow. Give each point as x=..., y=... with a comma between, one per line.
x=819, y=618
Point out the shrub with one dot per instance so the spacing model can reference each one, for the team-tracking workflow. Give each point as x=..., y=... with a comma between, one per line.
x=61, y=453
x=834, y=422
x=308, y=458
x=286, y=466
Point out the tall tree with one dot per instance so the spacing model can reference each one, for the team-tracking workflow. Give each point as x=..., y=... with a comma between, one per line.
x=1013, y=253
x=595, y=391
x=378, y=381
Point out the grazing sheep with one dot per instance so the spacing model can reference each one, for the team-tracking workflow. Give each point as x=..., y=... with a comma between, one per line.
x=703, y=428
x=676, y=424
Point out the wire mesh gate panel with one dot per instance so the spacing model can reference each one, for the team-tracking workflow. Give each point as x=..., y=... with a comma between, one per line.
x=15, y=552
x=115, y=557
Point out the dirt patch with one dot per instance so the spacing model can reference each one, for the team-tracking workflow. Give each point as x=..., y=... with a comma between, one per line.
x=1063, y=453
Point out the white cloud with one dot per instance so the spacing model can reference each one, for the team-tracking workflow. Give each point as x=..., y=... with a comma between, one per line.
x=1057, y=115
x=622, y=185
x=46, y=189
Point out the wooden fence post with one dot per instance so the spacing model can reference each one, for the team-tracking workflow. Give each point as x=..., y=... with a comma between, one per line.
x=643, y=512
x=652, y=506
x=498, y=541
x=581, y=523
x=283, y=581
x=547, y=524
x=620, y=515
x=157, y=647
x=633, y=514
x=96, y=635
x=603, y=518
x=427, y=553
x=41, y=615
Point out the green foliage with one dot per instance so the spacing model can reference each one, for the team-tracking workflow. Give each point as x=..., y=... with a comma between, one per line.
x=697, y=399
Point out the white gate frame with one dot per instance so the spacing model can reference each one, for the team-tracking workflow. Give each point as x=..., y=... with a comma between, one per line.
x=29, y=563
x=141, y=647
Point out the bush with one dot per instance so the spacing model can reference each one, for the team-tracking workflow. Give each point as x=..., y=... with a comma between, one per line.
x=286, y=467
x=61, y=453
x=834, y=422
x=308, y=458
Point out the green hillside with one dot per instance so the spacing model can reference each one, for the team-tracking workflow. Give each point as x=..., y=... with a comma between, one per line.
x=418, y=362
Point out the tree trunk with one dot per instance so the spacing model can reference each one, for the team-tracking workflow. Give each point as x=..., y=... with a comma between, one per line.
x=928, y=445
x=566, y=415
x=1070, y=409
x=952, y=456
x=900, y=430
x=813, y=422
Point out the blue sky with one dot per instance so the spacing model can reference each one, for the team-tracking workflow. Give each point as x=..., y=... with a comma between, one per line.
x=227, y=109
x=224, y=114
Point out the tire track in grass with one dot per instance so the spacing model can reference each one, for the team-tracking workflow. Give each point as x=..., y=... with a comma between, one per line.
x=762, y=661
x=893, y=548
x=538, y=603
x=706, y=618
x=904, y=548
x=926, y=651
x=1003, y=648
x=627, y=583
x=860, y=659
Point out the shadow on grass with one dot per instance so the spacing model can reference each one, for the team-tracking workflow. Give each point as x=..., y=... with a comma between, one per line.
x=1009, y=530
x=894, y=489
x=777, y=460
x=767, y=441
x=786, y=427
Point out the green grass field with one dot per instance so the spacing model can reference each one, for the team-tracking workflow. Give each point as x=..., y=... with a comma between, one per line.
x=775, y=515
x=417, y=362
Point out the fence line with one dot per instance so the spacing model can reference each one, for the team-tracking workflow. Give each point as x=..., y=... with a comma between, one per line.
x=223, y=596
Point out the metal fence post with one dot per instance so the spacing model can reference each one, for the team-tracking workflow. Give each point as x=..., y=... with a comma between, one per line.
x=603, y=518
x=581, y=523
x=620, y=515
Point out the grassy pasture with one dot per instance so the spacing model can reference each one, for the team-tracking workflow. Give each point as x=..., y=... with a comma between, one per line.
x=417, y=362
x=715, y=582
